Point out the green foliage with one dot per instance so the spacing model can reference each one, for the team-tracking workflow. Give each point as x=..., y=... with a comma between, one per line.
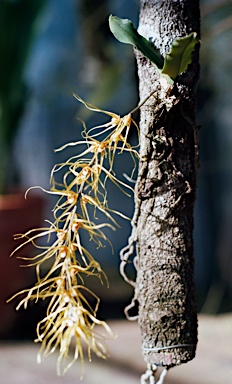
x=180, y=56
x=17, y=31
x=125, y=32
x=17, y=26
x=173, y=64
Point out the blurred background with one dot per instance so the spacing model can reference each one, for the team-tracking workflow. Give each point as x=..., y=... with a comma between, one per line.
x=52, y=48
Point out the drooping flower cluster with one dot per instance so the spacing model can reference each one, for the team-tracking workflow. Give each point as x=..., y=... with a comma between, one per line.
x=70, y=316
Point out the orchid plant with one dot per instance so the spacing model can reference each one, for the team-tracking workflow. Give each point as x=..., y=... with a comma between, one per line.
x=71, y=315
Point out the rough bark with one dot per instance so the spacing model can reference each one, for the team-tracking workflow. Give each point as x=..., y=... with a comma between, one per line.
x=165, y=193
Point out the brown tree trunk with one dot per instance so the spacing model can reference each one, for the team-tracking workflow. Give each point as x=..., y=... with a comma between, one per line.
x=165, y=193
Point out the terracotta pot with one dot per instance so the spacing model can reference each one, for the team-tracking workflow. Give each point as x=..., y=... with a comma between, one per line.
x=17, y=215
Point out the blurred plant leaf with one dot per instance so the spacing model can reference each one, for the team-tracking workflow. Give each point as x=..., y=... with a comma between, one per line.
x=17, y=31
x=18, y=23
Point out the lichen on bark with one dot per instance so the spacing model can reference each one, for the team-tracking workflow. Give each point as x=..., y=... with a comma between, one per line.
x=165, y=193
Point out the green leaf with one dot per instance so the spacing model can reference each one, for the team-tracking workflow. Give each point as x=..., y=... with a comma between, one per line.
x=125, y=32
x=180, y=56
x=175, y=62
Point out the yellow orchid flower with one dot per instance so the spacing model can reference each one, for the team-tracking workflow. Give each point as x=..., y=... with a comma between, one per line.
x=81, y=194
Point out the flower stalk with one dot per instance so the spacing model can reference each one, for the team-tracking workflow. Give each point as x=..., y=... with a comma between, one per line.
x=71, y=316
